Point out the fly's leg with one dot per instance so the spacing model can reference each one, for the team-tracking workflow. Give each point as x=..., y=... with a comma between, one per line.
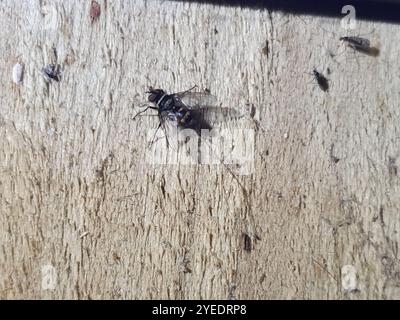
x=195, y=86
x=184, y=92
x=162, y=124
x=312, y=77
x=155, y=134
x=143, y=111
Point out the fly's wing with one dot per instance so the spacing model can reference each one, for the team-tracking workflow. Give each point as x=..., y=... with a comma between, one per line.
x=217, y=117
x=196, y=100
x=365, y=43
x=364, y=46
x=357, y=43
x=361, y=43
x=206, y=110
x=227, y=142
x=170, y=129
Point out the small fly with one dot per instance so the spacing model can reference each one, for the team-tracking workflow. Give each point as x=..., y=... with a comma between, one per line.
x=361, y=45
x=322, y=81
x=173, y=108
x=52, y=72
x=193, y=125
x=184, y=110
x=247, y=242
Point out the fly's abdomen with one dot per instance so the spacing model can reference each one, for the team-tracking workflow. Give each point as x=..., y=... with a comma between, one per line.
x=184, y=117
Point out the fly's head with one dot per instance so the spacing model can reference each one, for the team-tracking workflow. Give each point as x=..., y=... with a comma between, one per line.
x=155, y=95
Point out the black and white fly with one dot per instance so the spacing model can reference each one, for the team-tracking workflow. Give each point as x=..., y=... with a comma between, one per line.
x=198, y=130
x=181, y=109
x=196, y=111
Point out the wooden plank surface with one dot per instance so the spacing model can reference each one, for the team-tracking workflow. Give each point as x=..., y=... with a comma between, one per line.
x=84, y=215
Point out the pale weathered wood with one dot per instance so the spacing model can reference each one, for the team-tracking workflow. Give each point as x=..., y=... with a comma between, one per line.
x=77, y=194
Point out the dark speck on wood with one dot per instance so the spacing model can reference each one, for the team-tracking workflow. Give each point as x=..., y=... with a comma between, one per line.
x=265, y=50
x=247, y=242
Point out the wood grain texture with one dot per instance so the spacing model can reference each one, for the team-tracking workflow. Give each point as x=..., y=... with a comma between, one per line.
x=77, y=194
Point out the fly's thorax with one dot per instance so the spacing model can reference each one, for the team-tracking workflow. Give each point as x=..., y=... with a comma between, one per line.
x=165, y=102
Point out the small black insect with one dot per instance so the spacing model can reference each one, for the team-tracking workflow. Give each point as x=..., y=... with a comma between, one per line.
x=322, y=81
x=247, y=243
x=172, y=107
x=361, y=45
x=52, y=72
x=265, y=49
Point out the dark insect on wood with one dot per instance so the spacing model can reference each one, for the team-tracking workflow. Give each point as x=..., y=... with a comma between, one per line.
x=52, y=72
x=186, y=119
x=174, y=112
x=265, y=50
x=247, y=243
x=322, y=81
x=172, y=107
x=361, y=45
x=94, y=11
